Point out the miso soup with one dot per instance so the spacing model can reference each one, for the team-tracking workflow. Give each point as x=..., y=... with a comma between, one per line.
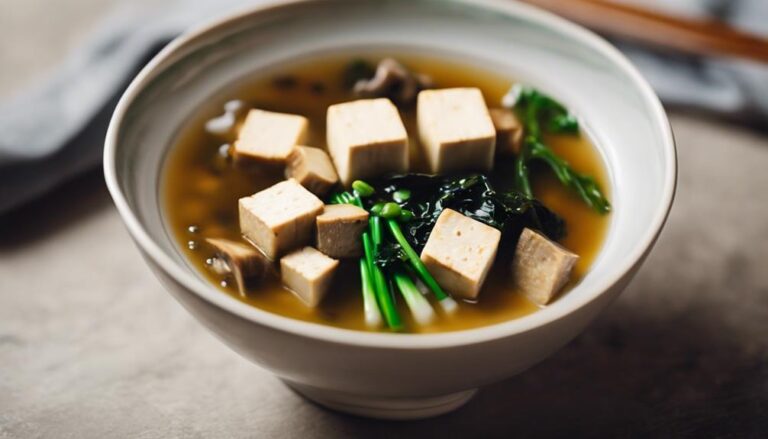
x=202, y=184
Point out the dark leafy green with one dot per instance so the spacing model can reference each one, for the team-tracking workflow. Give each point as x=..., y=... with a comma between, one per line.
x=542, y=114
x=540, y=111
x=471, y=195
x=584, y=186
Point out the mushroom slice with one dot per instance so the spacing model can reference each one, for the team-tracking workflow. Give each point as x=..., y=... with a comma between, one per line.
x=394, y=81
x=247, y=264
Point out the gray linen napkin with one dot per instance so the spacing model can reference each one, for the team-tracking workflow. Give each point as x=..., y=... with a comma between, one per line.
x=55, y=130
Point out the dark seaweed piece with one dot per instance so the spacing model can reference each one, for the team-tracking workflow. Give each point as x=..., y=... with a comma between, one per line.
x=390, y=255
x=471, y=195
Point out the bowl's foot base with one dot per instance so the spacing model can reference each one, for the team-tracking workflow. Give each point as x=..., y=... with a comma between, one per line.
x=385, y=408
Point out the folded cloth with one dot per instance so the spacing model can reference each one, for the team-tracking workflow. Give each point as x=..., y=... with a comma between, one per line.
x=55, y=130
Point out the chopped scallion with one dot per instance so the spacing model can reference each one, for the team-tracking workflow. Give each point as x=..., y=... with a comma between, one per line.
x=363, y=189
x=390, y=210
x=401, y=195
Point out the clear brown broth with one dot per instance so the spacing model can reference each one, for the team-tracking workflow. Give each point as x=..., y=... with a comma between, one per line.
x=201, y=189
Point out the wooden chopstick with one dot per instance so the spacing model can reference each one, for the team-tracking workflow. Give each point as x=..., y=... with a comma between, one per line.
x=641, y=25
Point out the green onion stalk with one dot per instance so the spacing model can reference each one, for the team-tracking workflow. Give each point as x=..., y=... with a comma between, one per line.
x=446, y=302
x=405, y=277
x=420, y=309
x=377, y=298
x=370, y=306
x=383, y=293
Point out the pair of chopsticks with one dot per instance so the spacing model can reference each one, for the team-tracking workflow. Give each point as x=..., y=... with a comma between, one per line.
x=642, y=25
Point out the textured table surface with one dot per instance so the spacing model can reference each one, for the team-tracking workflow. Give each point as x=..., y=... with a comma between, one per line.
x=91, y=346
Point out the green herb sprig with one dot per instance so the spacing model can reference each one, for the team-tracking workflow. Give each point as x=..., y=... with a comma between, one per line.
x=540, y=113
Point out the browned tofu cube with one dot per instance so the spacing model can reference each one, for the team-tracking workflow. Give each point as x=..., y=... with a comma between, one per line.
x=312, y=168
x=540, y=267
x=308, y=273
x=279, y=218
x=270, y=137
x=339, y=228
x=460, y=252
x=509, y=131
x=246, y=264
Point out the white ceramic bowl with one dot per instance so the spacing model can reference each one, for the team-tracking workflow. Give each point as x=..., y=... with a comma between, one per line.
x=380, y=374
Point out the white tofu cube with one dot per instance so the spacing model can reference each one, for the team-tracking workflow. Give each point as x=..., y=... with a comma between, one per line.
x=279, y=218
x=366, y=138
x=460, y=252
x=455, y=130
x=308, y=273
x=312, y=168
x=270, y=137
x=339, y=228
x=540, y=267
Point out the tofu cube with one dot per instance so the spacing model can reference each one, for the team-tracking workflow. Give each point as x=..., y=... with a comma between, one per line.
x=308, y=273
x=312, y=168
x=540, y=267
x=460, y=252
x=366, y=138
x=279, y=218
x=339, y=228
x=509, y=131
x=455, y=130
x=270, y=137
x=245, y=263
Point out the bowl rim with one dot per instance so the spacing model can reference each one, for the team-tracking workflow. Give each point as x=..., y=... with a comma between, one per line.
x=385, y=340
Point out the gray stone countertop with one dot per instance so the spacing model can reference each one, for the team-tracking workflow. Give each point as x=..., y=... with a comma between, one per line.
x=91, y=346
